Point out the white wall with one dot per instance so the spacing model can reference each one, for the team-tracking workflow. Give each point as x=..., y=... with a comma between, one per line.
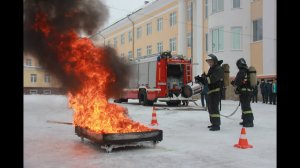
x=197, y=37
x=269, y=37
x=228, y=18
x=182, y=11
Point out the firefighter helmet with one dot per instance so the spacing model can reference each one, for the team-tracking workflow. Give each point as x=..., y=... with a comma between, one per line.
x=213, y=57
x=241, y=63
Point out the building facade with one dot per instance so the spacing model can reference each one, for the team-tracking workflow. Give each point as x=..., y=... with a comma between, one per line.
x=37, y=80
x=230, y=29
x=194, y=28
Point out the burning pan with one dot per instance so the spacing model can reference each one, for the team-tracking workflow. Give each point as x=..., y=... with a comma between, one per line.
x=114, y=140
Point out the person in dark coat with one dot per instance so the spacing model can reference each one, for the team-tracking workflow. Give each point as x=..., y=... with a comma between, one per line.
x=263, y=91
x=269, y=91
x=214, y=80
x=243, y=88
x=254, y=93
x=274, y=91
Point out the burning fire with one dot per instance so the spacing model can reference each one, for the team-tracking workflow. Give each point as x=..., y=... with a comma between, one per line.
x=79, y=58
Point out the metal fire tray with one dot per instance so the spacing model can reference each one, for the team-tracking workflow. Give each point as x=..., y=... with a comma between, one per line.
x=116, y=140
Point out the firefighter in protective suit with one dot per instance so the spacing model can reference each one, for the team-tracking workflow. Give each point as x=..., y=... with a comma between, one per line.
x=213, y=79
x=243, y=88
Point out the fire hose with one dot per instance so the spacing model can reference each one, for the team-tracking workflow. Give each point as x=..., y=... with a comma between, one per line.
x=59, y=122
x=227, y=116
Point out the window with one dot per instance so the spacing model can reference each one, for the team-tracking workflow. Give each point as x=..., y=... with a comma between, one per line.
x=108, y=43
x=257, y=30
x=33, y=78
x=139, y=32
x=28, y=62
x=206, y=8
x=217, y=6
x=218, y=39
x=149, y=29
x=236, y=38
x=189, y=39
x=173, y=44
x=236, y=3
x=149, y=49
x=159, y=47
x=159, y=24
x=122, y=39
x=206, y=41
x=130, y=36
x=33, y=91
x=47, y=92
x=47, y=78
x=115, y=42
x=122, y=58
x=172, y=18
x=189, y=11
x=138, y=52
x=130, y=55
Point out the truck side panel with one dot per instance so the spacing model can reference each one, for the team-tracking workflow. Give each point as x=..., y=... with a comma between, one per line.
x=133, y=82
x=152, y=74
x=143, y=74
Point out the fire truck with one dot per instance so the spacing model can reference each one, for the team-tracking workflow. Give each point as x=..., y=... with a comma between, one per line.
x=161, y=77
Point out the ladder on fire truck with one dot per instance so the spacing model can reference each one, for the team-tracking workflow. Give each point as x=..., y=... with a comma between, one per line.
x=188, y=72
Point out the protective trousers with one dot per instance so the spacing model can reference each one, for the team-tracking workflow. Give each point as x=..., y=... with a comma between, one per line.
x=247, y=115
x=213, y=108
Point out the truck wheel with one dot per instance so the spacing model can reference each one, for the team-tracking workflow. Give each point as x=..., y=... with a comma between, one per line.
x=117, y=101
x=124, y=100
x=143, y=99
x=120, y=100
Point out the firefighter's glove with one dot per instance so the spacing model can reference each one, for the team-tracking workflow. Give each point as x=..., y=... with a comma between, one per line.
x=232, y=83
x=197, y=78
x=200, y=79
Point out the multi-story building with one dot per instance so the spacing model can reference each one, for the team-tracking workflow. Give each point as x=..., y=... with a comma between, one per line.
x=37, y=80
x=230, y=29
x=194, y=28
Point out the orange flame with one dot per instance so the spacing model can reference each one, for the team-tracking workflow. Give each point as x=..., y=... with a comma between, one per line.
x=79, y=57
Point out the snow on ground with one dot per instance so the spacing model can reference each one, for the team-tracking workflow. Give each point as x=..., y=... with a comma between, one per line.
x=187, y=142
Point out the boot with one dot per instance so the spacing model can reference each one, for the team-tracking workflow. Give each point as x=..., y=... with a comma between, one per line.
x=209, y=126
x=248, y=125
x=241, y=123
x=214, y=128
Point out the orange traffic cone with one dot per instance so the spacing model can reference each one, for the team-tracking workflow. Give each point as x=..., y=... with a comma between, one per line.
x=243, y=142
x=154, y=120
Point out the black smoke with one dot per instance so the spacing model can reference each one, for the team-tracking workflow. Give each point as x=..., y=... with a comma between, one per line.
x=81, y=16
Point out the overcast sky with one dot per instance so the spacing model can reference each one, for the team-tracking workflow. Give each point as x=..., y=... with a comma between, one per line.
x=119, y=9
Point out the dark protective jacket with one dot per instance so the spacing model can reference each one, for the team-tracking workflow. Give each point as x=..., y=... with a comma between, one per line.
x=241, y=81
x=215, y=77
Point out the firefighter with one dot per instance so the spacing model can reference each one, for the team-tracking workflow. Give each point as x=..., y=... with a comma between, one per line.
x=243, y=88
x=214, y=80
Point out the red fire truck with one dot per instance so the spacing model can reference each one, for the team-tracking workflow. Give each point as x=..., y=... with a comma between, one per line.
x=160, y=77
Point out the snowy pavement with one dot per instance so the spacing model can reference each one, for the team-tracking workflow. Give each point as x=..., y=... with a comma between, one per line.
x=186, y=143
